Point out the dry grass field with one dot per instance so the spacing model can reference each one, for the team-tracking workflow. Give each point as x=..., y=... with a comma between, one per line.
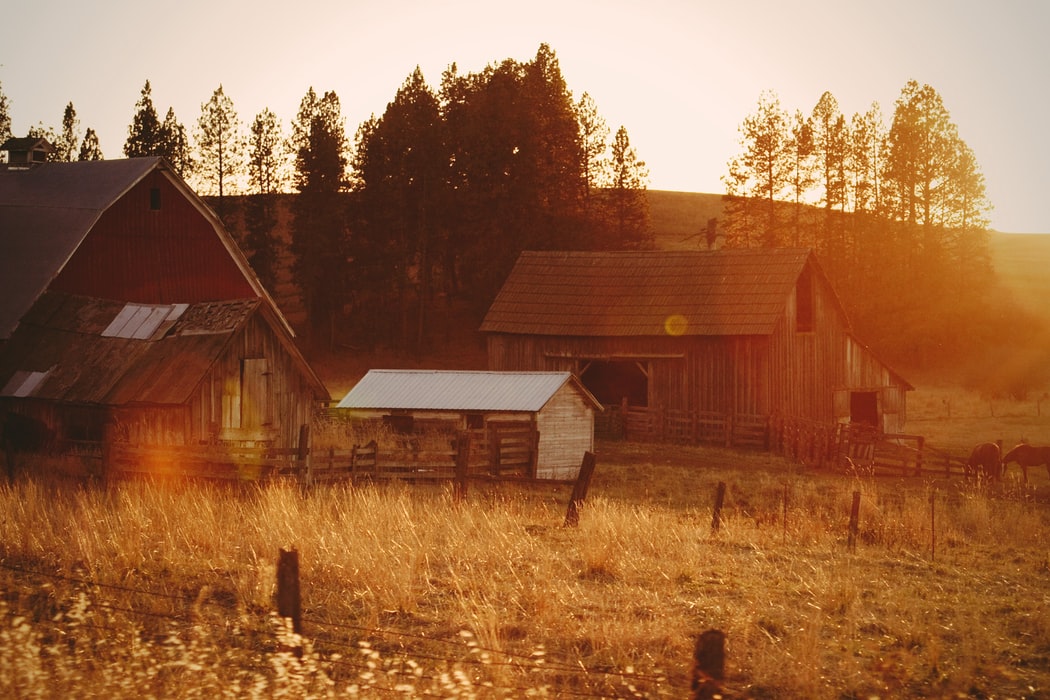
x=164, y=590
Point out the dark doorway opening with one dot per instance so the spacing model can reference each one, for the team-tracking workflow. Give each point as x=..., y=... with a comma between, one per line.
x=612, y=381
x=864, y=407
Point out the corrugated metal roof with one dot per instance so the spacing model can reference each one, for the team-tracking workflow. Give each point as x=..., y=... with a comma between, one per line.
x=646, y=293
x=457, y=390
x=62, y=337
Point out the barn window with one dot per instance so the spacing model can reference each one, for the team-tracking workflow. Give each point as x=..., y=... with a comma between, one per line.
x=399, y=423
x=475, y=421
x=804, y=302
x=154, y=198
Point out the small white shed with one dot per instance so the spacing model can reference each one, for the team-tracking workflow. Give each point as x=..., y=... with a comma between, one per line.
x=555, y=403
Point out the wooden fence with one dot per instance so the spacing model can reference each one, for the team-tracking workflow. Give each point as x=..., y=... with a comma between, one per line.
x=824, y=445
x=658, y=424
x=503, y=451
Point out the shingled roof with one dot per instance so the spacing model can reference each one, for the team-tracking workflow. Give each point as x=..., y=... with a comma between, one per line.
x=647, y=293
x=48, y=210
x=95, y=351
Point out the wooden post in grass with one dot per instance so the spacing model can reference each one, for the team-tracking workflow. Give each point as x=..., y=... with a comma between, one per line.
x=933, y=526
x=720, y=497
x=303, y=456
x=854, y=522
x=289, y=603
x=579, y=490
x=462, y=460
x=709, y=660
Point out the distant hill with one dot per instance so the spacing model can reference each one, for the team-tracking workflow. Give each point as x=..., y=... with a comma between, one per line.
x=680, y=219
x=1022, y=261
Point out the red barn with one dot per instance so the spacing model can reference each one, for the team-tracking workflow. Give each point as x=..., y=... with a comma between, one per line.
x=88, y=247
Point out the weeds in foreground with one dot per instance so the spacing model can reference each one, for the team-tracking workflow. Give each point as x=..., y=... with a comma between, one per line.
x=167, y=591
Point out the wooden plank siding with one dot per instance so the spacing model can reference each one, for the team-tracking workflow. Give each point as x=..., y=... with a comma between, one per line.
x=219, y=409
x=157, y=256
x=804, y=363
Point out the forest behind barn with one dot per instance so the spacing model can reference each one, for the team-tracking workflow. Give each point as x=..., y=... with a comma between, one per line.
x=997, y=347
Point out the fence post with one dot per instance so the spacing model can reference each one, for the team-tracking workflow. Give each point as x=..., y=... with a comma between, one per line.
x=579, y=490
x=919, y=459
x=462, y=461
x=709, y=661
x=854, y=522
x=933, y=526
x=303, y=456
x=289, y=603
x=720, y=497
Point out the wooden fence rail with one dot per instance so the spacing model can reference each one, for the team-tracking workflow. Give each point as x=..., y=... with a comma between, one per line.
x=506, y=451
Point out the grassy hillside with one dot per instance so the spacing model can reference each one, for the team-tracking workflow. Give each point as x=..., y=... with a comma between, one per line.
x=1022, y=262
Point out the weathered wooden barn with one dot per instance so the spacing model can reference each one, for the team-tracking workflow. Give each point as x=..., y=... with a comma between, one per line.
x=555, y=406
x=128, y=312
x=744, y=333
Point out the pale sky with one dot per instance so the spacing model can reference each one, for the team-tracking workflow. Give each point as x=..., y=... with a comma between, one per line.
x=680, y=76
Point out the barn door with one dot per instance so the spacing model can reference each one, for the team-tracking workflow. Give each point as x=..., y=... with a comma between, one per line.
x=256, y=405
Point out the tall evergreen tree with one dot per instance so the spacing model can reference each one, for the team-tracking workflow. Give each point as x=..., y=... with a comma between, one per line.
x=144, y=132
x=220, y=145
x=5, y=116
x=319, y=230
x=174, y=145
x=89, y=147
x=266, y=178
x=400, y=171
x=68, y=140
x=760, y=175
x=802, y=178
x=627, y=196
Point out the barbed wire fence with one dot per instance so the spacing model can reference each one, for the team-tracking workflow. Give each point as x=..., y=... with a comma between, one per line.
x=348, y=654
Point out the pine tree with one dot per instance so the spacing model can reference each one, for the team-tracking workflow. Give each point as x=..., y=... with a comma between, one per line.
x=174, y=145
x=759, y=177
x=67, y=141
x=319, y=230
x=89, y=147
x=629, y=205
x=266, y=177
x=220, y=145
x=5, y=116
x=144, y=132
x=400, y=174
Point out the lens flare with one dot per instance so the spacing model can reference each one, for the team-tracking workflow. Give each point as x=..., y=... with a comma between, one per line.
x=675, y=324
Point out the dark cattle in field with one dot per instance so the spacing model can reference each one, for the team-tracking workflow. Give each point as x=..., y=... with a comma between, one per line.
x=1028, y=456
x=985, y=460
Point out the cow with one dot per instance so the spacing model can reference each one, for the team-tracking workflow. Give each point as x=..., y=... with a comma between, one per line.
x=1028, y=456
x=985, y=460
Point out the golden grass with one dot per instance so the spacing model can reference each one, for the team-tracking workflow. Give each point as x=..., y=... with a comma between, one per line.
x=164, y=590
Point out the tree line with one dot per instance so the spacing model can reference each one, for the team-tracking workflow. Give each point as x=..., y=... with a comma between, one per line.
x=430, y=202
x=898, y=216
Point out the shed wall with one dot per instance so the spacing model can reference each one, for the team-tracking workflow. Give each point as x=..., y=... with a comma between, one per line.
x=566, y=427
x=243, y=399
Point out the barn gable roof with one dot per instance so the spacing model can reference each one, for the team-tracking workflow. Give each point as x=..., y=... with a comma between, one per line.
x=648, y=293
x=457, y=390
x=46, y=212
x=77, y=349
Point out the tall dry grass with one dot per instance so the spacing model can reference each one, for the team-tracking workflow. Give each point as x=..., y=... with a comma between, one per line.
x=166, y=590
